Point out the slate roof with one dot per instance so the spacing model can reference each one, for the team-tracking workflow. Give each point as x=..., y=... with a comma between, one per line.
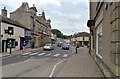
x=82, y=34
x=9, y=21
x=24, y=6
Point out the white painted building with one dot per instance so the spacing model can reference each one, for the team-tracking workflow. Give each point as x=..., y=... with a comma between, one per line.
x=18, y=32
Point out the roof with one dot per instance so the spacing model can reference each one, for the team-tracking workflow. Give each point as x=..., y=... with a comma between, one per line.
x=34, y=8
x=24, y=6
x=9, y=21
x=82, y=34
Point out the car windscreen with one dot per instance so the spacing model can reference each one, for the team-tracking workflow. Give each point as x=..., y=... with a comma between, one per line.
x=65, y=45
x=48, y=45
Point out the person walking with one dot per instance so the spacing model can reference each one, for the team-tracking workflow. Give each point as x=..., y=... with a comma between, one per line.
x=88, y=45
x=77, y=46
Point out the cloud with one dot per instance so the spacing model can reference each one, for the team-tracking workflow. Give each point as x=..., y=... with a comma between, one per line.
x=71, y=17
x=65, y=15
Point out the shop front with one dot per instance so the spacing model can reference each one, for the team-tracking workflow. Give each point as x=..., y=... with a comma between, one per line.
x=26, y=39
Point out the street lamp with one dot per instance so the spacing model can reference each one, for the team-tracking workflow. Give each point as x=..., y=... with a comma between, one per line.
x=10, y=32
x=71, y=37
x=0, y=36
x=33, y=42
x=76, y=38
x=76, y=42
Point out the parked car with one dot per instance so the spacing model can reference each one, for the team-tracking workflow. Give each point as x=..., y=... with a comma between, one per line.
x=48, y=47
x=65, y=46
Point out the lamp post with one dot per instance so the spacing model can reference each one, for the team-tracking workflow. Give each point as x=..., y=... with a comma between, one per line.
x=33, y=41
x=71, y=38
x=0, y=36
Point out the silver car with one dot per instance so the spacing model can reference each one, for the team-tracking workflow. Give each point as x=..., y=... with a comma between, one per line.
x=48, y=47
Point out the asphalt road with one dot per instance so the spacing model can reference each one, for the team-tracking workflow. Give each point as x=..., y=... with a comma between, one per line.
x=36, y=63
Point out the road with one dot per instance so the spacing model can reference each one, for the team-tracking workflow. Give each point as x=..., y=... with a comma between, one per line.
x=36, y=63
x=55, y=63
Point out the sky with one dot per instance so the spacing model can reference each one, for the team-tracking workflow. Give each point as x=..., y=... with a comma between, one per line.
x=69, y=16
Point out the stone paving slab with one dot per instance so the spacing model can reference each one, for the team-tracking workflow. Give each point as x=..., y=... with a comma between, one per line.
x=81, y=65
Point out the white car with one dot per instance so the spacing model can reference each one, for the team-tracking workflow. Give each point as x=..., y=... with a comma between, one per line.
x=48, y=47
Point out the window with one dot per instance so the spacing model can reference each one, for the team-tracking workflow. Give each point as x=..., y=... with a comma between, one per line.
x=99, y=41
x=92, y=43
x=83, y=38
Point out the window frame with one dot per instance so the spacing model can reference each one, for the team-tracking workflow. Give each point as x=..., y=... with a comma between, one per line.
x=98, y=31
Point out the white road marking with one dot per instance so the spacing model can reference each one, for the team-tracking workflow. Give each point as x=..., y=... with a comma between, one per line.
x=51, y=74
x=48, y=54
x=65, y=55
x=6, y=57
x=33, y=53
x=41, y=54
x=26, y=53
x=21, y=62
x=56, y=55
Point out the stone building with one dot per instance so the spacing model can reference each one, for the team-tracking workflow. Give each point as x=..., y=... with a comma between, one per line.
x=41, y=28
x=104, y=27
x=53, y=38
x=19, y=31
x=82, y=38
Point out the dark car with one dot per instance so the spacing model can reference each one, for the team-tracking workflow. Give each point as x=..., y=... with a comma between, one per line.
x=59, y=44
x=65, y=46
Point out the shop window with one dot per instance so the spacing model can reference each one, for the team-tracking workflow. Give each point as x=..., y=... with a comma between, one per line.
x=100, y=44
x=99, y=41
x=83, y=38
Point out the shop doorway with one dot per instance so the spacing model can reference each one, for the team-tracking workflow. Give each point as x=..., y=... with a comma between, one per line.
x=4, y=46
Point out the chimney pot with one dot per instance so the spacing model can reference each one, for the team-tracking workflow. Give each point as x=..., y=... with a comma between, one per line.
x=33, y=5
x=4, y=8
x=4, y=12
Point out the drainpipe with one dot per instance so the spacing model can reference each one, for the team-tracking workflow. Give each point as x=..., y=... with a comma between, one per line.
x=117, y=40
x=33, y=42
x=0, y=49
x=0, y=35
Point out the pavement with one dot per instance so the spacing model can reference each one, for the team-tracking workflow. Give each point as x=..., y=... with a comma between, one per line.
x=81, y=65
x=55, y=63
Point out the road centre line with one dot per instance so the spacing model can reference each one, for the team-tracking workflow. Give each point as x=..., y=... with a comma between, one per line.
x=51, y=74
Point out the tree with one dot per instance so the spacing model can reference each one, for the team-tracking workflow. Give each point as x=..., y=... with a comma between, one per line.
x=59, y=34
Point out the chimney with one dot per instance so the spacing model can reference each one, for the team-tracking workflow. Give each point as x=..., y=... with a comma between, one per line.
x=33, y=5
x=4, y=12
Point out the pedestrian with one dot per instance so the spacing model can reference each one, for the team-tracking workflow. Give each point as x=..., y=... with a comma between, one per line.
x=24, y=46
x=88, y=45
x=77, y=46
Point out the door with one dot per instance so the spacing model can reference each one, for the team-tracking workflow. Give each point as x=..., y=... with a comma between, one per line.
x=4, y=46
